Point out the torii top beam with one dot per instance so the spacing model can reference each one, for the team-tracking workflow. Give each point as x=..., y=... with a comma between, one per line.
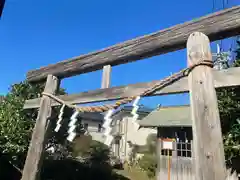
x=219, y=25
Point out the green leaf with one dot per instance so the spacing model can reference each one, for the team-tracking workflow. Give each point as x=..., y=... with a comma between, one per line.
x=16, y=124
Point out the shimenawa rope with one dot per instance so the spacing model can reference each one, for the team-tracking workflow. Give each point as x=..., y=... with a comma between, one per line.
x=159, y=85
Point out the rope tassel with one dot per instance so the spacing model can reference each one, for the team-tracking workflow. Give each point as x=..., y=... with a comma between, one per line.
x=107, y=126
x=72, y=126
x=135, y=108
x=108, y=140
x=108, y=118
x=71, y=136
x=107, y=131
x=60, y=117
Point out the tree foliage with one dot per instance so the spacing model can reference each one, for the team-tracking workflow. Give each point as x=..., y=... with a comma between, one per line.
x=70, y=169
x=148, y=162
x=229, y=107
x=237, y=63
x=81, y=145
x=98, y=153
x=152, y=143
x=93, y=152
x=16, y=124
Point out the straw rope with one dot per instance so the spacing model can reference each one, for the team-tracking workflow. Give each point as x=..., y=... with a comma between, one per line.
x=158, y=85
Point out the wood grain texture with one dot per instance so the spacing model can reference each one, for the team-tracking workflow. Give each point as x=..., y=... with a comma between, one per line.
x=33, y=161
x=106, y=77
x=219, y=25
x=207, y=135
x=225, y=78
x=159, y=154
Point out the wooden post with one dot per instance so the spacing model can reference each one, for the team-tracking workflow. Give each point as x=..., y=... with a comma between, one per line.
x=207, y=136
x=106, y=77
x=159, y=154
x=193, y=162
x=174, y=174
x=106, y=81
x=33, y=161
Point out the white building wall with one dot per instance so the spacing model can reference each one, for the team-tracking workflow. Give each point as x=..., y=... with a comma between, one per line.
x=132, y=134
x=93, y=130
x=129, y=130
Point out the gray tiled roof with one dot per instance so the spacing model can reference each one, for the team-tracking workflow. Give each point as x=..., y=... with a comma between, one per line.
x=128, y=109
x=168, y=116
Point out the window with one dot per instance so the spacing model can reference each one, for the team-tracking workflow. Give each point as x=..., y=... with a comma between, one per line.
x=184, y=149
x=99, y=127
x=86, y=126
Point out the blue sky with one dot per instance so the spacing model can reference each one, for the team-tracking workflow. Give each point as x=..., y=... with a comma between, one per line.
x=38, y=33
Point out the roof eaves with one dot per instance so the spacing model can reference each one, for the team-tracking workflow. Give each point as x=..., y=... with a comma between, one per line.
x=150, y=119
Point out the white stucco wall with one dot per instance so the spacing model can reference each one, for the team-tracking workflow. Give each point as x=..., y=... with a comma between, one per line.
x=138, y=136
x=93, y=130
x=133, y=134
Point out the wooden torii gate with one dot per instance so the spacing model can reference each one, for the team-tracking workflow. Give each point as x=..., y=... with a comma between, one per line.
x=210, y=163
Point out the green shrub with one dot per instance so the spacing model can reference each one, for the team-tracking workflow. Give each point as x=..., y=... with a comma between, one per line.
x=151, y=143
x=148, y=163
x=81, y=145
x=16, y=123
x=98, y=153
